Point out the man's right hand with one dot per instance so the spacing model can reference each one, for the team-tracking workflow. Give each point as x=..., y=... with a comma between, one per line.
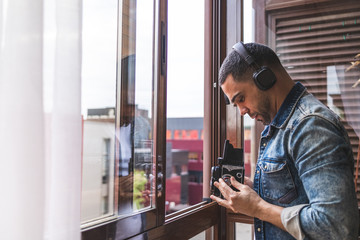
x=247, y=181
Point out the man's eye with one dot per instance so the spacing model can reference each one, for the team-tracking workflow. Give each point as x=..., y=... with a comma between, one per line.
x=240, y=99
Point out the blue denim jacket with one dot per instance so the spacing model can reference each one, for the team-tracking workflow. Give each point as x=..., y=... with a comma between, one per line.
x=305, y=160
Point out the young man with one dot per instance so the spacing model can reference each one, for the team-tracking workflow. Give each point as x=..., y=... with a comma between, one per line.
x=303, y=186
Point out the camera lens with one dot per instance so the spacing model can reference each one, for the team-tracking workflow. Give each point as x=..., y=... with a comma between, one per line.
x=227, y=180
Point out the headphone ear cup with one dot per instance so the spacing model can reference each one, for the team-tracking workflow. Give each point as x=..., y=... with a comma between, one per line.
x=264, y=78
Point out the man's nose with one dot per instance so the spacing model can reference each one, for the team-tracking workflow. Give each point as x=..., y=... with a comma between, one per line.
x=243, y=110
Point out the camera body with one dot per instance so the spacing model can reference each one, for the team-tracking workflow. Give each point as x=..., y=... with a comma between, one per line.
x=230, y=164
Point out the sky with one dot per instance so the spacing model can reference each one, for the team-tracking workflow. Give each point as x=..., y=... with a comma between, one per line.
x=99, y=49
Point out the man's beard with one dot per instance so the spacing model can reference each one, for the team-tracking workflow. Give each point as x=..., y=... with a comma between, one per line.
x=264, y=107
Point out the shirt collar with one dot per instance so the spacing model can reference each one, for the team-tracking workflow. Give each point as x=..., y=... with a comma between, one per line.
x=287, y=107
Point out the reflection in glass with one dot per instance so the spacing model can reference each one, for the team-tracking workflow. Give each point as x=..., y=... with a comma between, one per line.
x=117, y=159
x=135, y=130
x=98, y=108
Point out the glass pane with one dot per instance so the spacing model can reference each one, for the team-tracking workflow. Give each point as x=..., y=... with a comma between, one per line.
x=98, y=108
x=135, y=131
x=244, y=231
x=185, y=104
x=249, y=124
x=207, y=234
x=117, y=108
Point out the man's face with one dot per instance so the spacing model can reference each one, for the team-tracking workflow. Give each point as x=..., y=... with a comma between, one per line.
x=249, y=99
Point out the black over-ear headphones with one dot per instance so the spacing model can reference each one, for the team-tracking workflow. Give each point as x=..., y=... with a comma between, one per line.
x=263, y=77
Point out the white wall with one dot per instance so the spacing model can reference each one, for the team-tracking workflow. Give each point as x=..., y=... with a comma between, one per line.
x=93, y=190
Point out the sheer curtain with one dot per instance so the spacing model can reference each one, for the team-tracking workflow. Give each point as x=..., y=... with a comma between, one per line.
x=40, y=119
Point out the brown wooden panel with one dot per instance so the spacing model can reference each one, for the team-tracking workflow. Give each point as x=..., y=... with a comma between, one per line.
x=307, y=33
x=308, y=40
x=280, y=4
x=317, y=47
x=327, y=25
x=185, y=227
x=241, y=218
x=327, y=54
x=323, y=61
x=319, y=18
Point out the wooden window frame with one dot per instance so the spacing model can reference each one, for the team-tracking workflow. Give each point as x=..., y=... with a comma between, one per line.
x=205, y=216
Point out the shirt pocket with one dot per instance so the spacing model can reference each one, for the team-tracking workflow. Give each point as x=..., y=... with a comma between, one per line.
x=277, y=182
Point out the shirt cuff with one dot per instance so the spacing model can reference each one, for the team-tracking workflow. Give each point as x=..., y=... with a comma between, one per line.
x=291, y=220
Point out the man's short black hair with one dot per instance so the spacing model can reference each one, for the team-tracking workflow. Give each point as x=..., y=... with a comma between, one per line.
x=235, y=65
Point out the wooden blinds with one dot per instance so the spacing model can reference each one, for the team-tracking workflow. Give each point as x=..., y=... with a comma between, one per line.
x=316, y=45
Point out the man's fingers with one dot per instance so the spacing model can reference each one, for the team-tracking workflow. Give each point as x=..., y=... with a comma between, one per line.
x=220, y=201
x=224, y=188
x=248, y=182
x=236, y=184
x=215, y=198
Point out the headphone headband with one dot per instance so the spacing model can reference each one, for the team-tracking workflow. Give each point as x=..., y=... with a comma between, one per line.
x=240, y=48
x=263, y=77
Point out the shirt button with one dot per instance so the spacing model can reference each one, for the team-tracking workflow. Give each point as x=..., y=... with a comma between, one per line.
x=257, y=171
x=265, y=167
x=259, y=229
x=264, y=144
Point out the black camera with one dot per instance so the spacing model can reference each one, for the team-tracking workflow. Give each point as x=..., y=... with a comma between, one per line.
x=230, y=164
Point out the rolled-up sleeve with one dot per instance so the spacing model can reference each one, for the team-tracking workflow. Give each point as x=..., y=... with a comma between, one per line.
x=324, y=161
x=290, y=218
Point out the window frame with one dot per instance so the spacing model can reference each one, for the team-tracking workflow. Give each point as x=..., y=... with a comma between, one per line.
x=205, y=215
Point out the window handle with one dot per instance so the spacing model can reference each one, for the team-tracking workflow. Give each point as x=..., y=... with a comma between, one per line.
x=163, y=48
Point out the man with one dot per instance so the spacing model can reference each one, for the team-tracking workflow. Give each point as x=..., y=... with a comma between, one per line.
x=303, y=186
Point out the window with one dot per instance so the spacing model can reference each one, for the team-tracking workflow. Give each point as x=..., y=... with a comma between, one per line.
x=118, y=97
x=185, y=104
x=136, y=125
x=130, y=138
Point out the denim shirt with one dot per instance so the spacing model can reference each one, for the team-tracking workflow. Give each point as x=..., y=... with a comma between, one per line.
x=305, y=165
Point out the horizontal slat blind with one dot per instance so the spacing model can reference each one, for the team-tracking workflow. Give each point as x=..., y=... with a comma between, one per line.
x=316, y=47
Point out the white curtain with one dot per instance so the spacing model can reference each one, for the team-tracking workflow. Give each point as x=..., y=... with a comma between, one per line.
x=40, y=119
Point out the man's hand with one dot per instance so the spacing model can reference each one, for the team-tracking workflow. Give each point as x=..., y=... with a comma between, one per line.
x=245, y=201
x=247, y=181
